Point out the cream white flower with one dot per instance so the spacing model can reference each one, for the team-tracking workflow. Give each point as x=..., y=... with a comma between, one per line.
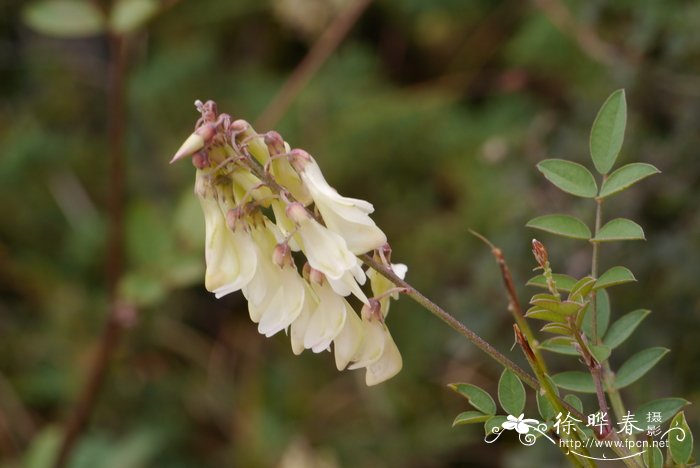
x=297, y=331
x=388, y=365
x=348, y=217
x=380, y=285
x=378, y=354
x=348, y=343
x=350, y=283
x=276, y=293
x=325, y=250
x=229, y=254
x=327, y=319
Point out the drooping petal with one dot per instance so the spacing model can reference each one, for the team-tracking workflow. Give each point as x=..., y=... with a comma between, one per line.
x=286, y=304
x=231, y=263
x=346, y=285
x=325, y=250
x=387, y=366
x=298, y=328
x=229, y=255
x=372, y=346
x=349, y=217
x=327, y=320
x=347, y=344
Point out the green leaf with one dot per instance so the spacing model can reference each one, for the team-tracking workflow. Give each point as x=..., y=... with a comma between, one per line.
x=623, y=327
x=608, y=132
x=470, y=417
x=625, y=177
x=556, y=328
x=562, y=225
x=614, y=276
x=563, y=282
x=511, y=393
x=543, y=314
x=561, y=307
x=638, y=365
x=576, y=381
x=129, y=15
x=477, y=397
x=602, y=305
x=559, y=345
x=654, y=458
x=666, y=406
x=570, y=177
x=620, y=229
x=574, y=401
x=581, y=289
x=65, y=18
x=600, y=352
x=680, y=440
x=544, y=407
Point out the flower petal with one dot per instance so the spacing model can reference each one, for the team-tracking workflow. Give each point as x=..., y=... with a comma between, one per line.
x=326, y=320
x=348, y=342
x=388, y=365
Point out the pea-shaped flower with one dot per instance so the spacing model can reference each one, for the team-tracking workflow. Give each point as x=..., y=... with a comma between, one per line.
x=349, y=217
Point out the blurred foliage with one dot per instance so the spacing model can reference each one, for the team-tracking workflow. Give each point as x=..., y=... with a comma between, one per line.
x=434, y=111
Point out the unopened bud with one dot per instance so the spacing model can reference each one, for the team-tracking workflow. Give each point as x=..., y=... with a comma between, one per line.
x=200, y=160
x=233, y=216
x=274, y=142
x=299, y=159
x=372, y=310
x=296, y=212
x=282, y=255
x=193, y=144
x=316, y=276
x=238, y=126
x=539, y=252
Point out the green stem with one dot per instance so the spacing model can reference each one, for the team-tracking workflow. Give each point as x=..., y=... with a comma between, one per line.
x=594, y=266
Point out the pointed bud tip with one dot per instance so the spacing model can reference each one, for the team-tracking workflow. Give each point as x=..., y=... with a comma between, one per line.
x=194, y=143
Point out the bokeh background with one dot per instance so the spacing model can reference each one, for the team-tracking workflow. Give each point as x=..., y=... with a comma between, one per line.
x=434, y=111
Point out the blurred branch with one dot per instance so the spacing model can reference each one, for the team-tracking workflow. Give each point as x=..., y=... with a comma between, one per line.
x=119, y=316
x=586, y=38
x=312, y=62
x=8, y=443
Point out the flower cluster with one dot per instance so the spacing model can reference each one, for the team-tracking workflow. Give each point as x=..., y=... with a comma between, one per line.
x=268, y=208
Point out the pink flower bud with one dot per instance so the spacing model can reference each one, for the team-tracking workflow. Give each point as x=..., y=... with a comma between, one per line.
x=274, y=142
x=299, y=159
x=200, y=160
x=233, y=217
x=282, y=255
x=372, y=310
x=316, y=276
x=296, y=212
x=539, y=252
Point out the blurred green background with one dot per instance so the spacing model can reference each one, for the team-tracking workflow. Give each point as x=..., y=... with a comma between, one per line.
x=434, y=111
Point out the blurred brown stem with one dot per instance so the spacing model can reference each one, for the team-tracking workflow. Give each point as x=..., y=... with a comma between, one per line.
x=307, y=68
x=513, y=303
x=119, y=316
